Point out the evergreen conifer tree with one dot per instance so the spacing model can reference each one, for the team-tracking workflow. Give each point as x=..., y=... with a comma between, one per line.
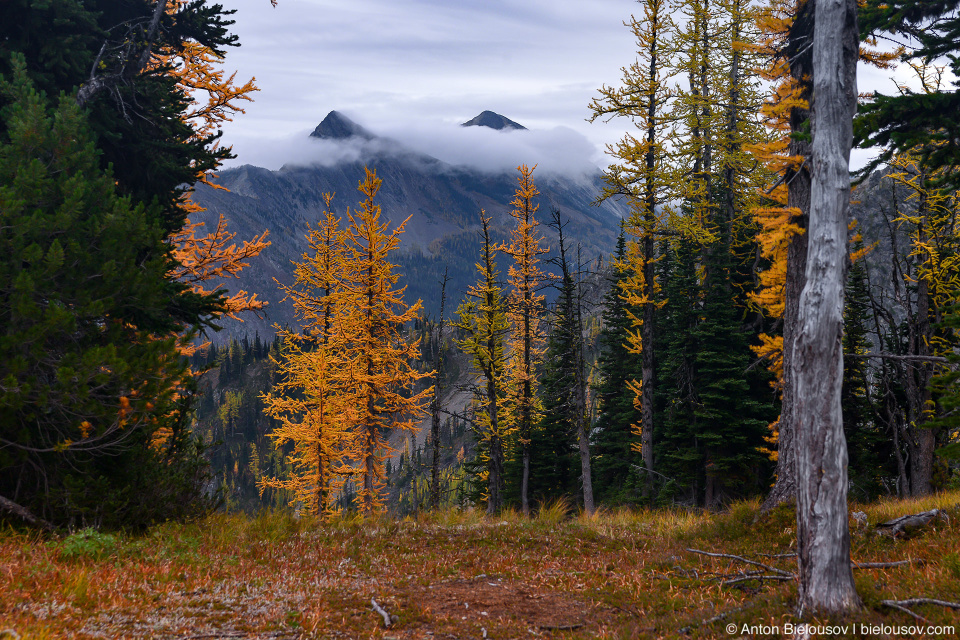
x=86, y=386
x=868, y=448
x=613, y=434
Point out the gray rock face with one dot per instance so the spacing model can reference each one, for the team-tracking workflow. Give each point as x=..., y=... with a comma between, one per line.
x=492, y=120
x=440, y=202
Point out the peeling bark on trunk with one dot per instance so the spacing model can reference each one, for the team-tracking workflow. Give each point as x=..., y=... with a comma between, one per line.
x=823, y=536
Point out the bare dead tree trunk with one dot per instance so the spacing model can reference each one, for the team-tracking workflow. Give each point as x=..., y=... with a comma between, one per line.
x=583, y=434
x=798, y=196
x=435, y=405
x=823, y=536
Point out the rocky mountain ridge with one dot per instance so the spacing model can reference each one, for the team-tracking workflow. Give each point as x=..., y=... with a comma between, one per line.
x=440, y=202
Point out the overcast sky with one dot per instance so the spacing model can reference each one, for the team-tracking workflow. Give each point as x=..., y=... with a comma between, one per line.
x=415, y=69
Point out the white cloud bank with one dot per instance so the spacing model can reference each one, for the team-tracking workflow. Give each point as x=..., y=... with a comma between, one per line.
x=558, y=150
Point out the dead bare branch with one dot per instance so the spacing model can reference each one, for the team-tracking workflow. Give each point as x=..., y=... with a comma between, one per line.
x=747, y=578
x=894, y=605
x=884, y=565
x=386, y=616
x=742, y=559
x=893, y=356
x=560, y=627
x=685, y=630
x=910, y=602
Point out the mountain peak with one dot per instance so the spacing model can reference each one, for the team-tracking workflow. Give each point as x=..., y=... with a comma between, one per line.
x=337, y=126
x=492, y=120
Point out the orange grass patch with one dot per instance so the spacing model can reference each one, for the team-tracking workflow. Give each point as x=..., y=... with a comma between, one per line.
x=619, y=575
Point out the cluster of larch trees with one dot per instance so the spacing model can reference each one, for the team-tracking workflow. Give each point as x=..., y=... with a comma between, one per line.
x=530, y=400
x=349, y=377
x=706, y=181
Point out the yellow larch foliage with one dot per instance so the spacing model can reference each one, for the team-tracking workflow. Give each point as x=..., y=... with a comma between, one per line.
x=778, y=222
x=215, y=98
x=308, y=397
x=377, y=355
x=482, y=321
x=525, y=309
x=933, y=218
x=215, y=255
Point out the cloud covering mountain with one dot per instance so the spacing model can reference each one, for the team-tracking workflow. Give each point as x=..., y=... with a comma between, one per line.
x=441, y=199
x=560, y=150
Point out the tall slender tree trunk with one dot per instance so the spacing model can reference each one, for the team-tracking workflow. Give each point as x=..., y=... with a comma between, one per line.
x=921, y=464
x=435, y=406
x=495, y=470
x=649, y=257
x=583, y=438
x=414, y=497
x=526, y=419
x=583, y=431
x=798, y=196
x=823, y=536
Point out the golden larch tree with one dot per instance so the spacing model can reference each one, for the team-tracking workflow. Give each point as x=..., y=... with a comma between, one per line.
x=639, y=172
x=308, y=397
x=482, y=320
x=377, y=354
x=525, y=310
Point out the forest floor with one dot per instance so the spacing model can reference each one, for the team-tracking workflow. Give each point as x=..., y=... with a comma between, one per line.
x=458, y=574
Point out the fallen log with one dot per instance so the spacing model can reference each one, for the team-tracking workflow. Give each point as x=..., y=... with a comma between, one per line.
x=905, y=526
x=24, y=514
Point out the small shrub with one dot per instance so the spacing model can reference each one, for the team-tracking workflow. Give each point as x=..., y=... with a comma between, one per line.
x=88, y=544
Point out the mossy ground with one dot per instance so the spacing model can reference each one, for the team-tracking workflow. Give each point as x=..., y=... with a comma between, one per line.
x=452, y=574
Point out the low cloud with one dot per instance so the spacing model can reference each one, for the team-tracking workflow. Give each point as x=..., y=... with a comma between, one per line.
x=560, y=150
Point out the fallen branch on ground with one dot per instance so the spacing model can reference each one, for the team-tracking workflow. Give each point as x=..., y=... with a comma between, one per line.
x=902, y=605
x=244, y=634
x=906, y=525
x=893, y=605
x=560, y=627
x=910, y=602
x=386, y=616
x=742, y=559
x=755, y=575
x=684, y=631
x=884, y=565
